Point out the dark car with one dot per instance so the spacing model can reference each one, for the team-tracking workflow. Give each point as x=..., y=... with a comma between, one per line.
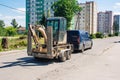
x=80, y=39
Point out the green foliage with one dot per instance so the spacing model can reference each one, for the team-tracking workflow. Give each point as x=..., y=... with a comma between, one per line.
x=110, y=35
x=99, y=35
x=1, y=48
x=116, y=34
x=93, y=36
x=25, y=33
x=2, y=31
x=23, y=37
x=14, y=23
x=48, y=13
x=2, y=24
x=43, y=21
x=66, y=8
x=19, y=44
x=11, y=31
x=0, y=45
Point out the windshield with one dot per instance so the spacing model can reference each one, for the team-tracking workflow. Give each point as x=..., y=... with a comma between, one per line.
x=54, y=24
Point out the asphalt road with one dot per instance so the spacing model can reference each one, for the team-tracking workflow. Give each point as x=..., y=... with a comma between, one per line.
x=102, y=62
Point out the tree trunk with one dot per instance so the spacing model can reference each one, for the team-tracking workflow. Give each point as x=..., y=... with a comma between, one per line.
x=4, y=43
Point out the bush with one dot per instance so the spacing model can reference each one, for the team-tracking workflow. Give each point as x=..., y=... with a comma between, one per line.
x=25, y=33
x=11, y=31
x=18, y=45
x=1, y=48
x=116, y=34
x=110, y=35
x=23, y=37
x=92, y=36
x=23, y=43
x=99, y=35
x=2, y=31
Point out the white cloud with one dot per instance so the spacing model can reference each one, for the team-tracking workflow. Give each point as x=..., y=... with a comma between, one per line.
x=20, y=10
x=0, y=15
x=117, y=5
x=12, y=17
x=116, y=13
x=7, y=19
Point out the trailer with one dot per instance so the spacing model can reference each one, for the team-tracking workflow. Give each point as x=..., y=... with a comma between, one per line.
x=55, y=40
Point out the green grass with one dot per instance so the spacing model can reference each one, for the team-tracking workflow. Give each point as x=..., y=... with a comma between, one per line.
x=15, y=44
x=18, y=43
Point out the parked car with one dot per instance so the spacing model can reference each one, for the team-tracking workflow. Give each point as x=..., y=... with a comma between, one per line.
x=80, y=39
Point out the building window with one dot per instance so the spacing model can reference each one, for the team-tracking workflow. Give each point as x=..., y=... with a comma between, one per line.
x=32, y=1
x=32, y=13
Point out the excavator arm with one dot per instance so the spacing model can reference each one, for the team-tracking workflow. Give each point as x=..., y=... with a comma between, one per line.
x=32, y=34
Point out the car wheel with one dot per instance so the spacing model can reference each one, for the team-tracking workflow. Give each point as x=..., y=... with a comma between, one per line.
x=91, y=46
x=83, y=49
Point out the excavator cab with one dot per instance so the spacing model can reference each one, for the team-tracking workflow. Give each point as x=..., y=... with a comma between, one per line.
x=58, y=25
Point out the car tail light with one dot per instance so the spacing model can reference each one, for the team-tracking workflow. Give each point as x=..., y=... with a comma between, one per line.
x=78, y=40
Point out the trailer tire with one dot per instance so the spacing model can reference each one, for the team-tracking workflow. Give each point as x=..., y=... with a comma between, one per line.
x=62, y=57
x=68, y=55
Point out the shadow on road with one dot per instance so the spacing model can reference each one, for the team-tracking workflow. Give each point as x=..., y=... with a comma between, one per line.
x=117, y=42
x=29, y=61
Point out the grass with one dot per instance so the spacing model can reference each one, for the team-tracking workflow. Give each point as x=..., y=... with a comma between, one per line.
x=15, y=43
x=18, y=43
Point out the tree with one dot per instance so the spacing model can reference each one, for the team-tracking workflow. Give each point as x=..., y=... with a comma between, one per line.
x=43, y=20
x=67, y=9
x=2, y=31
x=11, y=31
x=14, y=23
x=2, y=24
x=48, y=13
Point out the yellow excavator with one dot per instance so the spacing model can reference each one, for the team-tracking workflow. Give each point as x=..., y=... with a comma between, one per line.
x=55, y=40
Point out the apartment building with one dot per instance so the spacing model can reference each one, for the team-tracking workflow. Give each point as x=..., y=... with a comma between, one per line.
x=116, y=26
x=88, y=17
x=35, y=10
x=105, y=22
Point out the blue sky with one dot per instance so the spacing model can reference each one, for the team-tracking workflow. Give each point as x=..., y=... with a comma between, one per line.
x=7, y=14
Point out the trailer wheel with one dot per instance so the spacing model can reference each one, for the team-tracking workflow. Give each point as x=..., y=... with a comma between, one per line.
x=62, y=57
x=68, y=55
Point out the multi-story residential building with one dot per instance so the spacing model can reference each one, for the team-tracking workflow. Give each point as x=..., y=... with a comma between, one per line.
x=35, y=10
x=116, y=27
x=88, y=17
x=105, y=22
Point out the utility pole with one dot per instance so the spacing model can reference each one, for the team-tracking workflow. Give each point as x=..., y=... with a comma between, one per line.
x=77, y=26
